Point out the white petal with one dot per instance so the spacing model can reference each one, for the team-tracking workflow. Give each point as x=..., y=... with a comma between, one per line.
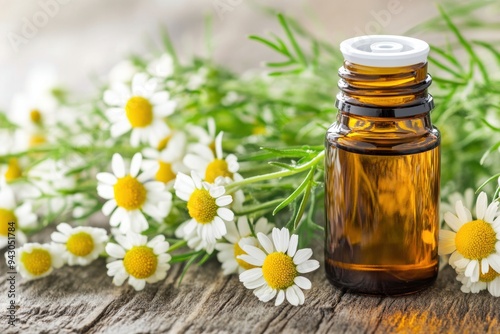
x=224, y=200
x=250, y=260
x=225, y=213
x=217, y=191
x=255, y=252
x=292, y=246
x=280, y=298
x=59, y=237
x=463, y=213
x=135, y=165
x=302, y=255
x=481, y=204
x=108, y=207
x=299, y=294
x=302, y=282
x=491, y=212
x=115, y=250
x=65, y=228
x=118, y=165
x=265, y=242
x=277, y=240
x=308, y=266
x=106, y=178
x=243, y=227
x=452, y=221
x=218, y=145
x=484, y=266
x=471, y=270
x=292, y=297
x=494, y=262
x=254, y=284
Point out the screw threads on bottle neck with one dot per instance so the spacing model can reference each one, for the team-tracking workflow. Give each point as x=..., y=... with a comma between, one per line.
x=384, y=91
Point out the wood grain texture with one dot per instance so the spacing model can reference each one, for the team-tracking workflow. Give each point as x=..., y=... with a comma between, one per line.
x=83, y=300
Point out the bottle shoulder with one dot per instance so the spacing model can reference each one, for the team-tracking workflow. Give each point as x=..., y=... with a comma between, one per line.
x=392, y=138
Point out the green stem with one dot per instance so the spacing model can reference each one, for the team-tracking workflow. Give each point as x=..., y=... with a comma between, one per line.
x=177, y=245
x=256, y=208
x=299, y=169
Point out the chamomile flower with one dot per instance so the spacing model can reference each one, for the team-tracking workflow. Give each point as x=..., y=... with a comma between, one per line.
x=131, y=194
x=168, y=161
x=474, y=244
x=230, y=250
x=204, y=136
x=206, y=204
x=278, y=268
x=83, y=244
x=10, y=212
x=162, y=67
x=212, y=167
x=34, y=260
x=138, y=260
x=490, y=281
x=141, y=109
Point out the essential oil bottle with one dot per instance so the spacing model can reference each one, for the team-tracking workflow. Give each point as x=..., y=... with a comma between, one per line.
x=382, y=170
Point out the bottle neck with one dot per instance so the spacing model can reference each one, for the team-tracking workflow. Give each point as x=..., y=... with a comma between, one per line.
x=384, y=91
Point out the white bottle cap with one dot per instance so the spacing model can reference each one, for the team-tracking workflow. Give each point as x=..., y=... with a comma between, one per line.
x=384, y=50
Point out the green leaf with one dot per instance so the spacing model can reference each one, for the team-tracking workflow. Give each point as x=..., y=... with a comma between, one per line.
x=292, y=39
x=467, y=46
x=188, y=264
x=296, y=193
x=281, y=165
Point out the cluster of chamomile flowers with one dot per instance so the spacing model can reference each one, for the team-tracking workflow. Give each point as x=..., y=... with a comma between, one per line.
x=170, y=166
x=474, y=243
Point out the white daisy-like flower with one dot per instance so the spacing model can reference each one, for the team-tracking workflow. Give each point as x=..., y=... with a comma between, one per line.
x=162, y=67
x=131, y=194
x=34, y=260
x=21, y=216
x=278, y=268
x=490, y=281
x=141, y=109
x=474, y=244
x=138, y=260
x=83, y=244
x=213, y=166
x=239, y=232
x=167, y=160
x=206, y=204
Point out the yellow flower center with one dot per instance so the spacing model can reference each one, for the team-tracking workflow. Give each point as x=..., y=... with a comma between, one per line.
x=489, y=276
x=37, y=262
x=165, y=173
x=36, y=116
x=140, y=262
x=202, y=206
x=80, y=244
x=139, y=112
x=37, y=139
x=476, y=240
x=238, y=251
x=13, y=171
x=163, y=143
x=279, y=270
x=6, y=217
x=129, y=193
x=217, y=168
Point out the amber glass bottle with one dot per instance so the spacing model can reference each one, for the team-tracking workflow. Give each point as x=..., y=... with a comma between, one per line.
x=382, y=170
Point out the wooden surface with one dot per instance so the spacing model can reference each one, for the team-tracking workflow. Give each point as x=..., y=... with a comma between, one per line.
x=83, y=300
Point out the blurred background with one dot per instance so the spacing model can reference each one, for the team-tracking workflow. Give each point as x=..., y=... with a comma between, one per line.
x=82, y=40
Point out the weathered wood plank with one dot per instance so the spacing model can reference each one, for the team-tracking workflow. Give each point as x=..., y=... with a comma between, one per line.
x=83, y=300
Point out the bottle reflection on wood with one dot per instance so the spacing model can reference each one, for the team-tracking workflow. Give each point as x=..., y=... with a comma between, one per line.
x=382, y=178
